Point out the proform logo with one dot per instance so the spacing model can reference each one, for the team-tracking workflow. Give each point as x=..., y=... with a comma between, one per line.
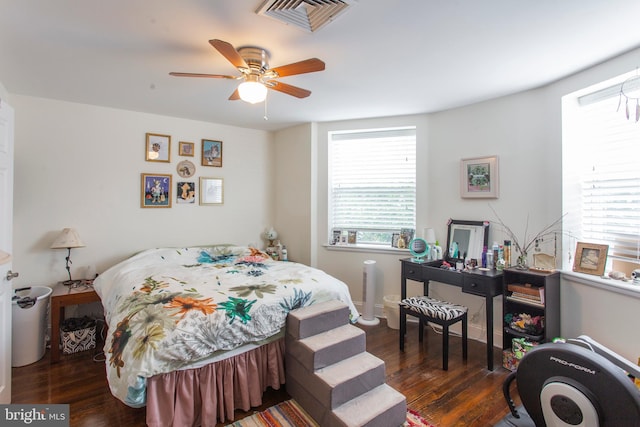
x=572, y=365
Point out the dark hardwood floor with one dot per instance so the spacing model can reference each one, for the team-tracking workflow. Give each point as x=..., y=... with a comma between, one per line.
x=466, y=395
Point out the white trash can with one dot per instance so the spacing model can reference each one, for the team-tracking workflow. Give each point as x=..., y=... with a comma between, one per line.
x=29, y=324
x=392, y=310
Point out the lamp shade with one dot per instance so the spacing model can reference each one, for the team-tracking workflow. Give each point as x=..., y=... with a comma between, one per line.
x=252, y=91
x=430, y=235
x=68, y=238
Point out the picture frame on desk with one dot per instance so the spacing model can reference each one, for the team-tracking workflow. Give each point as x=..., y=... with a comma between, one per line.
x=590, y=258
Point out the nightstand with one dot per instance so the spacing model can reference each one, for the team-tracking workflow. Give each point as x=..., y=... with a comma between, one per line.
x=61, y=297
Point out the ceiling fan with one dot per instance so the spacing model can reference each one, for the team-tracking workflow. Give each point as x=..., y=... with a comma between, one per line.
x=257, y=77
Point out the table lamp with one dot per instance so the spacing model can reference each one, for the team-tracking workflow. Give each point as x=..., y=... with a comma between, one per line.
x=68, y=239
x=430, y=236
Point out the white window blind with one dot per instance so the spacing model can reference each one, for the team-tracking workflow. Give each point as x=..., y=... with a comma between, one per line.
x=372, y=182
x=609, y=178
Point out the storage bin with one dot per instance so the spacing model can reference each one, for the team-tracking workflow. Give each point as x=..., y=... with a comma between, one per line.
x=78, y=334
x=392, y=310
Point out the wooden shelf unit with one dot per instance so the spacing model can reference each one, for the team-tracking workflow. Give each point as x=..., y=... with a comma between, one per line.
x=548, y=306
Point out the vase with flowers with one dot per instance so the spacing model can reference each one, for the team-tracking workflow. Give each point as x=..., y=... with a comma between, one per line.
x=523, y=247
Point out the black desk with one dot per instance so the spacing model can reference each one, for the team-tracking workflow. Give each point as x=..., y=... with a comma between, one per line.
x=487, y=284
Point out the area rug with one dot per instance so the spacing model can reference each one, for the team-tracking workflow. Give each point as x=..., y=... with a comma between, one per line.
x=290, y=414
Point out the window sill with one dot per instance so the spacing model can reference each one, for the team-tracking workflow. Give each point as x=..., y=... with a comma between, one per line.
x=367, y=248
x=600, y=282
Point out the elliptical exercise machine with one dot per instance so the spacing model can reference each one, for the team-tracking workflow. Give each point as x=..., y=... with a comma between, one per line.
x=574, y=383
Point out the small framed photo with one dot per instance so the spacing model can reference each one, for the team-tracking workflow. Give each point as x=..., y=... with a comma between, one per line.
x=479, y=178
x=211, y=191
x=335, y=240
x=186, y=148
x=156, y=191
x=406, y=234
x=590, y=258
x=395, y=238
x=186, y=193
x=352, y=238
x=211, y=153
x=158, y=148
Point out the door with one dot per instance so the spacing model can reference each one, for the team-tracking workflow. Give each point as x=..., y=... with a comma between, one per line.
x=6, y=241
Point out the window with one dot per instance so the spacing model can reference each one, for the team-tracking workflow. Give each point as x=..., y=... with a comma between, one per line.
x=601, y=169
x=372, y=183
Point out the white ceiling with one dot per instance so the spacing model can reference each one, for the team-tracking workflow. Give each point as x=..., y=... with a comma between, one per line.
x=383, y=57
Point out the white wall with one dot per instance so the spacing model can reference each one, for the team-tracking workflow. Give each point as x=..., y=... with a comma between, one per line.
x=525, y=131
x=4, y=95
x=515, y=129
x=607, y=316
x=293, y=188
x=79, y=166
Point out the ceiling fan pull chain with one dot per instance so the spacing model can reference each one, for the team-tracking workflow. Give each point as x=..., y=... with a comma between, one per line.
x=265, y=108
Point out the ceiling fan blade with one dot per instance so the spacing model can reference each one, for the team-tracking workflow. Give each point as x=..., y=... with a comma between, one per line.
x=306, y=66
x=229, y=52
x=211, y=76
x=235, y=95
x=288, y=89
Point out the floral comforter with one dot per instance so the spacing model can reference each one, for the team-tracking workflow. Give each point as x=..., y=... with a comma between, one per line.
x=169, y=307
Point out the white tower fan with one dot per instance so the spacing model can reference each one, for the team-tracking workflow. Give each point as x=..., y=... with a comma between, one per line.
x=369, y=294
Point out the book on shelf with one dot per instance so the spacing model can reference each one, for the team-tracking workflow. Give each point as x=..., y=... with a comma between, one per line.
x=530, y=301
x=524, y=289
x=526, y=296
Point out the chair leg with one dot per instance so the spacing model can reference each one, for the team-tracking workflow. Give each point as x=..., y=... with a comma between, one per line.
x=464, y=336
x=445, y=346
x=403, y=327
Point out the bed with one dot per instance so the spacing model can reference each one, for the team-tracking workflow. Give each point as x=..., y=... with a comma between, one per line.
x=195, y=333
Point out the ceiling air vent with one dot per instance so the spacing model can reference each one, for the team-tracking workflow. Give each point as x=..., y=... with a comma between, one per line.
x=310, y=15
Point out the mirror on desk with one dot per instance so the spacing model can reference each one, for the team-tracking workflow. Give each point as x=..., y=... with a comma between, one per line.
x=466, y=239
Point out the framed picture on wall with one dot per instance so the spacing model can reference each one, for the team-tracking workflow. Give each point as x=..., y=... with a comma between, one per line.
x=155, y=191
x=211, y=191
x=158, y=148
x=479, y=178
x=186, y=169
x=186, y=148
x=211, y=153
x=186, y=192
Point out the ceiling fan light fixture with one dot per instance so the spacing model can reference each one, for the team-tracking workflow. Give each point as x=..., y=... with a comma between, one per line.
x=252, y=91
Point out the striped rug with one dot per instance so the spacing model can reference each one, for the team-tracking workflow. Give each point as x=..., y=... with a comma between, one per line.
x=290, y=414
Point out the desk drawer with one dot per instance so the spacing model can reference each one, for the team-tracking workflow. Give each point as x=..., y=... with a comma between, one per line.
x=483, y=286
x=443, y=275
x=412, y=272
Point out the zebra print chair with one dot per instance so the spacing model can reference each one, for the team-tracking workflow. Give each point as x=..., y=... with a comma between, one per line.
x=441, y=313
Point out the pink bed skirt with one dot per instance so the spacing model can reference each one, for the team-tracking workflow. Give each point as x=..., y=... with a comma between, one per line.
x=204, y=396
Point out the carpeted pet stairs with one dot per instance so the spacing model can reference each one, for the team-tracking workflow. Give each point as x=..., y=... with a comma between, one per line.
x=330, y=374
